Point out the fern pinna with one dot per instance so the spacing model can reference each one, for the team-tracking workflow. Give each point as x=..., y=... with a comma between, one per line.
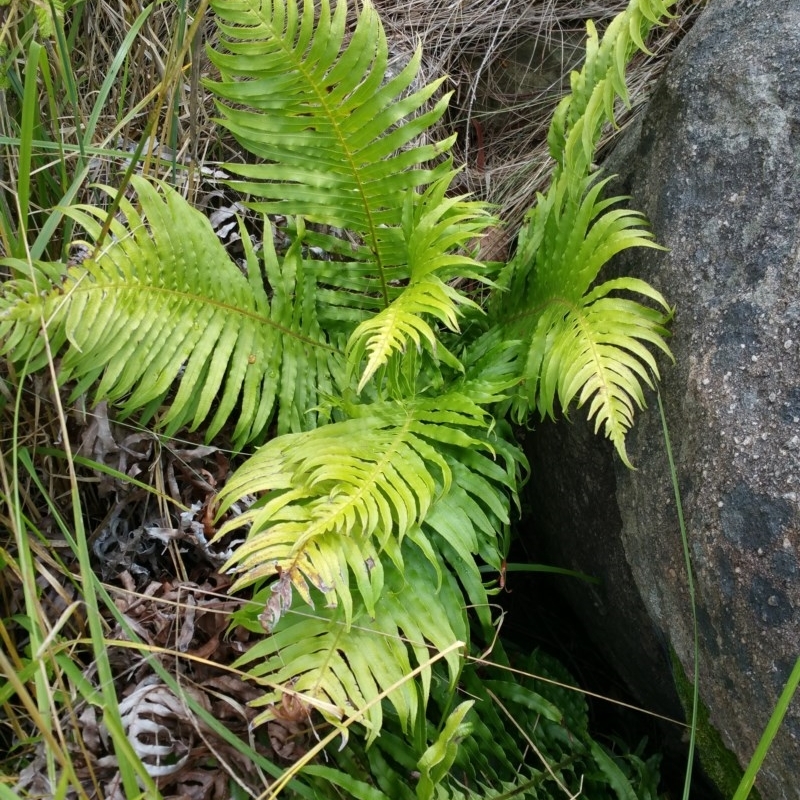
x=390, y=472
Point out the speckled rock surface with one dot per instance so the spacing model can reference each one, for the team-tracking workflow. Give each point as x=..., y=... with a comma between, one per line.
x=715, y=164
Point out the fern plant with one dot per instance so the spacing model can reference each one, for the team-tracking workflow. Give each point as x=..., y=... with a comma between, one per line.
x=388, y=472
x=575, y=341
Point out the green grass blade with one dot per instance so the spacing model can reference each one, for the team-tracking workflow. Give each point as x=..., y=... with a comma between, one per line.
x=67, y=74
x=29, y=97
x=569, y=573
x=690, y=581
x=749, y=777
x=54, y=219
x=132, y=770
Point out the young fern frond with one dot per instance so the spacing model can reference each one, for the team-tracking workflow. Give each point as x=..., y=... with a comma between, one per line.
x=594, y=90
x=434, y=228
x=573, y=343
x=404, y=321
x=162, y=306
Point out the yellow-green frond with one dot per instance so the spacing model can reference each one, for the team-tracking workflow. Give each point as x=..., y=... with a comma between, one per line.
x=334, y=497
x=319, y=660
x=162, y=317
x=336, y=140
x=596, y=353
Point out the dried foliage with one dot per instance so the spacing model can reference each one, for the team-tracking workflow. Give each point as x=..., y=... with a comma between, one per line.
x=150, y=503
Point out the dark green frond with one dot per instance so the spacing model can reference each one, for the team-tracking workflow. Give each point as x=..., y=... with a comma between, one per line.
x=335, y=139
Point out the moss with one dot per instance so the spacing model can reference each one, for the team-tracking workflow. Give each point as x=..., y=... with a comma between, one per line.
x=719, y=763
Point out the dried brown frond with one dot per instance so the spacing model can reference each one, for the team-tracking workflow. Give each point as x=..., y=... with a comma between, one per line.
x=182, y=625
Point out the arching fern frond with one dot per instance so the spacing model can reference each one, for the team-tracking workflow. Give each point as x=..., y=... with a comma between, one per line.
x=574, y=343
x=577, y=344
x=595, y=352
x=162, y=307
x=336, y=497
x=338, y=667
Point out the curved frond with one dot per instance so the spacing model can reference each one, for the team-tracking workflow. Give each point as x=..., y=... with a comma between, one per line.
x=335, y=497
x=595, y=351
x=340, y=667
x=389, y=331
x=574, y=343
x=162, y=308
x=577, y=343
x=572, y=239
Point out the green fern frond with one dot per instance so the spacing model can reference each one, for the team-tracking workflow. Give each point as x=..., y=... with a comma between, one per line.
x=339, y=667
x=594, y=351
x=338, y=143
x=572, y=343
x=336, y=138
x=337, y=496
x=163, y=307
x=488, y=750
x=389, y=331
x=576, y=343
x=566, y=243
x=594, y=90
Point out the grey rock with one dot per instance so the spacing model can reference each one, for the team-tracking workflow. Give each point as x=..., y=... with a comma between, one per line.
x=714, y=163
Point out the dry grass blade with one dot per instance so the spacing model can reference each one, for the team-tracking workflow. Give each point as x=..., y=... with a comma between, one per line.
x=508, y=63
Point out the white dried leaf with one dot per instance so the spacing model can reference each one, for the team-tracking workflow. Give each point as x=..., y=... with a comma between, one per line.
x=157, y=724
x=90, y=730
